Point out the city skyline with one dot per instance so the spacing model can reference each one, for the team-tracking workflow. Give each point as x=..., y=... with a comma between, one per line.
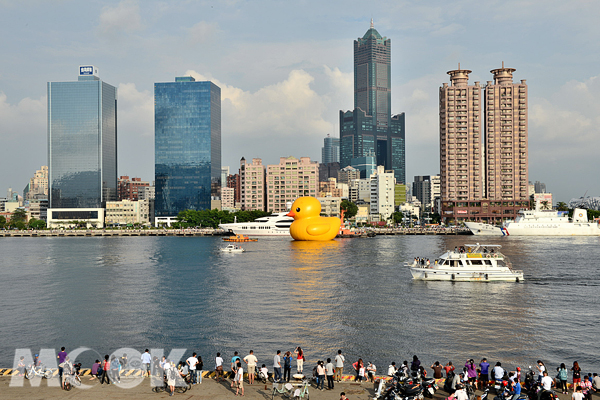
x=285, y=75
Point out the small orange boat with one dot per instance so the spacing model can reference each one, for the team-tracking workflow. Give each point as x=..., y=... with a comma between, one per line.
x=239, y=238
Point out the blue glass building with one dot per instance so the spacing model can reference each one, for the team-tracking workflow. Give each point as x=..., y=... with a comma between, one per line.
x=187, y=145
x=82, y=145
x=370, y=127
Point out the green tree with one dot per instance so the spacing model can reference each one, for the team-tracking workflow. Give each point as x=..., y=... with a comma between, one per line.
x=36, y=224
x=2, y=221
x=397, y=217
x=350, y=209
x=562, y=206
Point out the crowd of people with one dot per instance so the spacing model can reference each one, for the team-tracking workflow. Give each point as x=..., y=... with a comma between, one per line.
x=477, y=375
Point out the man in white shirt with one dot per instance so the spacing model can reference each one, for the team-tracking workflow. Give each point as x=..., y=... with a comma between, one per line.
x=392, y=369
x=371, y=371
x=146, y=361
x=460, y=393
x=498, y=371
x=191, y=363
x=277, y=367
x=339, y=366
x=547, y=382
x=219, y=367
x=251, y=360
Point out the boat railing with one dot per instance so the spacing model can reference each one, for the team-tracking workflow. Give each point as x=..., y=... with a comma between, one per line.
x=495, y=254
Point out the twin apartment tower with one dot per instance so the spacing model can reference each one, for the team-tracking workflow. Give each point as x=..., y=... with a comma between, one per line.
x=482, y=177
x=483, y=147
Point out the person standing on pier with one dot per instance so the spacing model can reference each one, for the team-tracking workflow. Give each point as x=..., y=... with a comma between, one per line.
x=339, y=365
x=146, y=361
x=62, y=355
x=251, y=360
x=299, y=358
x=277, y=367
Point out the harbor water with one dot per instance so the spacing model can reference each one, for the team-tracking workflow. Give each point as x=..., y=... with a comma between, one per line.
x=107, y=293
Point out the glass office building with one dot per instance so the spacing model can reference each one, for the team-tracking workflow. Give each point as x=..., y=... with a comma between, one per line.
x=82, y=145
x=370, y=127
x=187, y=145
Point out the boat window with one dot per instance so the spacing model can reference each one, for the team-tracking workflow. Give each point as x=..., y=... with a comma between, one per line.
x=488, y=262
x=476, y=262
x=456, y=263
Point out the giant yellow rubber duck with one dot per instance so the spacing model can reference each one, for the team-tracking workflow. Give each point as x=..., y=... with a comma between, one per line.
x=308, y=224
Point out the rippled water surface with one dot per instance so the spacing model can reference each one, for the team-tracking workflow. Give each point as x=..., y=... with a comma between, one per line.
x=354, y=294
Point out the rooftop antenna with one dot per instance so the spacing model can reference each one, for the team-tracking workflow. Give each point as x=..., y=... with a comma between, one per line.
x=459, y=66
x=502, y=64
x=372, y=23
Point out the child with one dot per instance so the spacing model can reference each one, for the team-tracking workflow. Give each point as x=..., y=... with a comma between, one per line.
x=361, y=373
x=343, y=396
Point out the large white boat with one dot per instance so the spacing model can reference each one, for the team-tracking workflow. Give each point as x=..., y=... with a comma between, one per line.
x=541, y=223
x=273, y=225
x=471, y=262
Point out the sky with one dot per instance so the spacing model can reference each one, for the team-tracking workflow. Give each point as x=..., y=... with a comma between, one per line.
x=285, y=69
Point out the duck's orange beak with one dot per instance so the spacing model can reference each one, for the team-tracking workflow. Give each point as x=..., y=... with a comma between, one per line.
x=291, y=214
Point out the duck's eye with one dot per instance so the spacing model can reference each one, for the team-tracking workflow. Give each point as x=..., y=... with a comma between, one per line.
x=298, y=209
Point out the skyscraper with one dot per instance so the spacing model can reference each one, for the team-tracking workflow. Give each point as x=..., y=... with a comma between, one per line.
x=476, y=185
x=370, y=127
x=330, y=152
x=460, y=138
x=187, y=137
x=82, y=147
x=506, y=163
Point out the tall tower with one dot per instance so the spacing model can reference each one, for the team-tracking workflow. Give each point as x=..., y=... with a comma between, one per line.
x=373, y=76
x=82, y=147
x=187, y=150
x=370, y=127
x=460, y=140
x=506, y=137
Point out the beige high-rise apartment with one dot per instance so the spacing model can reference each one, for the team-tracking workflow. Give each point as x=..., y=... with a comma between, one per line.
x=477, y=184
x=252, y=184
x=460, y=139
x=506, y=137
x=290, y=179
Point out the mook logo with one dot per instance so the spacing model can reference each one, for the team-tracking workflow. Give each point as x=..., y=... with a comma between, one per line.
x=87, y=70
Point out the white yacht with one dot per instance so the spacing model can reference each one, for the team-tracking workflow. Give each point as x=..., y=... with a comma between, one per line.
x=541, y=223
x=471, y=262
x=232, y=248
x=273, y=225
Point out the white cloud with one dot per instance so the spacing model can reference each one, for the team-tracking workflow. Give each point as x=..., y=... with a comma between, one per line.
x=125, y=17
x=203, y=32
x=24, y=139
x=287, y=116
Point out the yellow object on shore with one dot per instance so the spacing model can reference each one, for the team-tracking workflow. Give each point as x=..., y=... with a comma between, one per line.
x=308, y=224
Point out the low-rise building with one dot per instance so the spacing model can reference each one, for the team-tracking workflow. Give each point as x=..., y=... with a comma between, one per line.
x=330, y=206
x=382, y=194
x=74, y=217
x=128, y=189
x=290, y=179
x=252, y=184
x=228, y=199
x=127, y=212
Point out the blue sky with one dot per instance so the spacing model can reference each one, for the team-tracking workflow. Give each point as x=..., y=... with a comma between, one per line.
x=285, y=70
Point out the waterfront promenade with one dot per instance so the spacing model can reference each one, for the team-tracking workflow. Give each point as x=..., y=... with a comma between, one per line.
x=205, y=232
x=209, y=389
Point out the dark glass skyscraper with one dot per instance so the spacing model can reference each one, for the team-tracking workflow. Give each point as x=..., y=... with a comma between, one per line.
x=370, y=127
x=82, y=142
x=187, y=151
